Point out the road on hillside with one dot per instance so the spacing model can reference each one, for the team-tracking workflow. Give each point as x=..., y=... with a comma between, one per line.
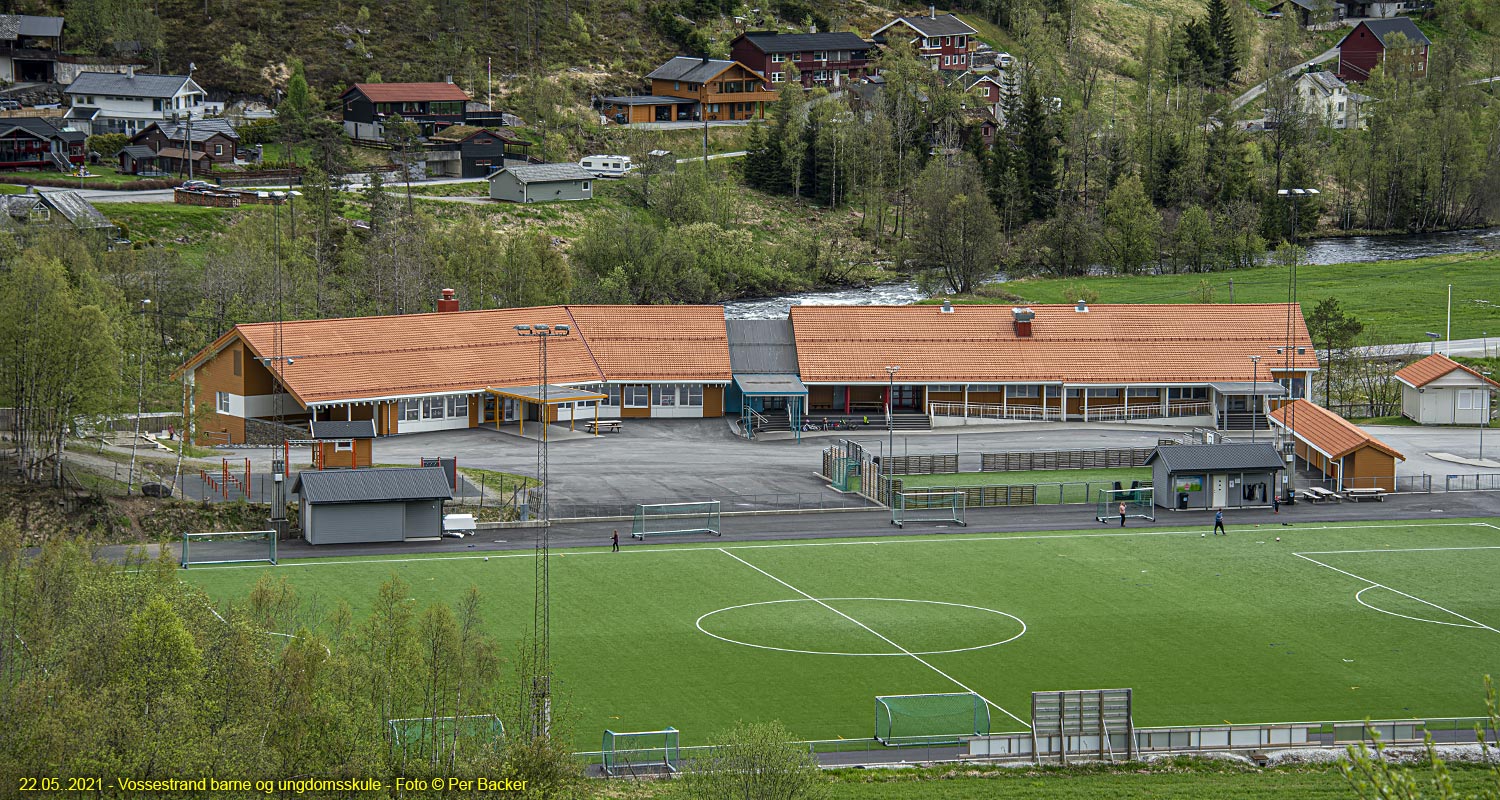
x=1260, y=88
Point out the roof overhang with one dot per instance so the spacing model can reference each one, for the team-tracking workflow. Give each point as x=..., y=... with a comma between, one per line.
x=556, y=395
x=1267, y=388
x=770, y=385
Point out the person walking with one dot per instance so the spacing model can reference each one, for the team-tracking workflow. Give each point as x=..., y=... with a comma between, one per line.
x=1122, y=515
x=614, y=542
x=1219, y=523
x=1275, y=503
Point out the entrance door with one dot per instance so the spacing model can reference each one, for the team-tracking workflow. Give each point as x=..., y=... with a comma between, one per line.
x=490, y=408
x=907, y=398
x=1220, y=491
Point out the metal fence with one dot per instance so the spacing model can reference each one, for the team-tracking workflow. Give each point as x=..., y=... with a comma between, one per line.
x=1481, y=482
x=1029, y=494
x=728, y=504
x=1064, y=459
x=920, y=465
x=1400, y=484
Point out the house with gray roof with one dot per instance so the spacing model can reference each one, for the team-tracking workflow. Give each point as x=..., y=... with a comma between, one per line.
x=203, y=142
x=1373, y=41
x=63, y=207
x=686, y=88
x=822, y=59
x=347, y=506
x=1329, y=100
x=1215, y=476
x=127, y=102
x=541, y=183
x=943, y=40
x=29, y=47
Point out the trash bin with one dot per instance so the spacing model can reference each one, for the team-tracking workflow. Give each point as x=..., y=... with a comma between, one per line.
x=1182, y=501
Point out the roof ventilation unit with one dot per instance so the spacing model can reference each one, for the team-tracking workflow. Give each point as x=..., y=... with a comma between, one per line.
x=947, y=307
x=1082, y=307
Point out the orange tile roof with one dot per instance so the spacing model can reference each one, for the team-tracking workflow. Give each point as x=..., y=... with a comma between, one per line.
x=1433, y=367
x=1327, y=431
x=412, y=354
x=362, y=358
x=656, y=343
x=1168, y=344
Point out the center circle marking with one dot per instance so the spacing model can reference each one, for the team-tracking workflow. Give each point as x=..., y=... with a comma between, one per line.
x=1018, y=620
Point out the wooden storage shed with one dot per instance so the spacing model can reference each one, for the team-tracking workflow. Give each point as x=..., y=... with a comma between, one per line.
x=343, y=444
x=1338, y=448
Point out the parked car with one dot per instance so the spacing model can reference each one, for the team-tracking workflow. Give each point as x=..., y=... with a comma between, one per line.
x=10, y=105
x=156, y=490
x=199, y=186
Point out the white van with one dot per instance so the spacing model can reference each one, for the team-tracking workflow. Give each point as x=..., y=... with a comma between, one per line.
x=608, y=166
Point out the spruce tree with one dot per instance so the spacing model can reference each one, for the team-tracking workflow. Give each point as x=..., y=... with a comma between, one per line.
x=1038, y=147
x=1221, y=28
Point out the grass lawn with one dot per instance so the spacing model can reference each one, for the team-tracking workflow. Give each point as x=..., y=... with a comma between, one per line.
x=1238, y=628
x=1396, y=420
x=1080, y=484
x=159, y=221
x=1396, y=300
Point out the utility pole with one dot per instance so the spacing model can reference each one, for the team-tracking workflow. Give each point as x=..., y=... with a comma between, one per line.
x=541, y=642
x=140, y=399
x=1289, y=346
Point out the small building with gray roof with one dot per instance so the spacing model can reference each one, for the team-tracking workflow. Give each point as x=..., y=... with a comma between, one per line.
x=541, y=183
x=1210, y=476
x=349, y=506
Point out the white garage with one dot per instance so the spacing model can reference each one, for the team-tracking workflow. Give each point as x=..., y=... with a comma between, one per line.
x=1440, y=391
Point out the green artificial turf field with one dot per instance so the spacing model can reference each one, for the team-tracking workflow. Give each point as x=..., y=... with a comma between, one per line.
x=1384, y=620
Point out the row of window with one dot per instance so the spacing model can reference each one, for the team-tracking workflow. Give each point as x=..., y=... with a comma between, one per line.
x=818, y=55
x=1472, y=399
x=642, y=395
x=429, y=408
x=955, y=61
x=1033, y=390
x=945, y=41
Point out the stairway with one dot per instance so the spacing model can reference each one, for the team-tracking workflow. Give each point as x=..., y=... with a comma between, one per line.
x=775, y=420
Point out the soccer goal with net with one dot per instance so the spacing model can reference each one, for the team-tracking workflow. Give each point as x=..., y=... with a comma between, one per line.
x=662, y=519
x=640, y=752
x=929, y=507
x=435, y=739
x=228, y=547
x=1140, y=503
x=925, y=719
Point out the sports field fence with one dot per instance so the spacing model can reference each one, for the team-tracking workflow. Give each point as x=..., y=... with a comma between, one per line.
x=728, y=504
x=1481, y=482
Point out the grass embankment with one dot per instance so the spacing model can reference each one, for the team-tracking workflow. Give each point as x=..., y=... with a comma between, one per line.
x=1398, y=301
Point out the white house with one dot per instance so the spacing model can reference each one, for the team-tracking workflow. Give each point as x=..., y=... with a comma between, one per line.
x=115, y=102
x=1440, y=391
x=1330, y=100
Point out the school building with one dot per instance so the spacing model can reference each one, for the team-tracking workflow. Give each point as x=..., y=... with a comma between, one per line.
x=1222, y=366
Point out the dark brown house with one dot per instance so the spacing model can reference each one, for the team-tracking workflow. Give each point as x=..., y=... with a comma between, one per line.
x=211, y=141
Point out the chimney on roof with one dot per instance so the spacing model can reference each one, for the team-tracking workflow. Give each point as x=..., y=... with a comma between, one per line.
x=813, y=28
x=448, y=302
x=1021, y=318
x=947, y=307
x=932, y=12
x=448, y=79
x=1082, y=307
x=130, y=71
x=705, y=58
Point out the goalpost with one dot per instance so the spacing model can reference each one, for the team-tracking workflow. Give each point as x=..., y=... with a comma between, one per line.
x=1140, y=503
x=435, y=739
x=922, y=506
x=640, y=752
x=661, y=519
x=228, y=547
x=926, y=719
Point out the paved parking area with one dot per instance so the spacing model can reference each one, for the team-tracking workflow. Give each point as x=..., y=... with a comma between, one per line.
x=1415, y=442
x=678, y=460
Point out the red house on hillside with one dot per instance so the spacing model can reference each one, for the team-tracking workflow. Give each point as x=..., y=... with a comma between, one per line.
x=822, y=59
x=943, y=40
x=1368, y=44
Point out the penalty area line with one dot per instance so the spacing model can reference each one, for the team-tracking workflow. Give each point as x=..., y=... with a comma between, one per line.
x=1376, y=584
x=924, y=662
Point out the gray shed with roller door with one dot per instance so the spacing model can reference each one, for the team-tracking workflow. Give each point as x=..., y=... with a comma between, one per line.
x=372, y=505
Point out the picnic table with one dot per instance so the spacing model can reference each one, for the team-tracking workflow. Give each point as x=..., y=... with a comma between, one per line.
x=1372, y=493
x=603, y=426
x=1319, y=494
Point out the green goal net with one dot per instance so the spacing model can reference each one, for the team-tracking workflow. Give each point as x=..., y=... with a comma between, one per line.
x=435, y=740
x=924, y=506
x=924, y=719
x=1139, y=503
x=640, y=752
x=663, y=519
x=228, y=547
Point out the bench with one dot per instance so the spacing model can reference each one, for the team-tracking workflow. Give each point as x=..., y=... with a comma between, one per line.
x=1311, y=496
x=1324, y=494
x=603, y=426
x=1372, y=493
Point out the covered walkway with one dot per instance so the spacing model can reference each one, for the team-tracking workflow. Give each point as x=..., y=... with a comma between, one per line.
x=542, y=403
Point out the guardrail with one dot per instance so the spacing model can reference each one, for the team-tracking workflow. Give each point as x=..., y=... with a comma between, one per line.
x=1480, y=482
x=994, y=411
x=1117, y=413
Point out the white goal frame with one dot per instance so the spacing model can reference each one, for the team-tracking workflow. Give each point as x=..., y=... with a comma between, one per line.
x=661, y=755
x=925, y=506
x=700, y=516
x=897, y=727
x=1140, y=503
x=185, y=560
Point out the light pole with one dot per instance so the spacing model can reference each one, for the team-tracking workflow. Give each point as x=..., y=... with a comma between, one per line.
x=890, y=407
x=1254, y=393
x=1432, y=344
x=541, y=643
x=140, y=398
x=1293, y=196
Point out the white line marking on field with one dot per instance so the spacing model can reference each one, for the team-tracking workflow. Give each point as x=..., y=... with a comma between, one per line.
x=1374, y=584
x=314, y=561
x=924, y=662
x=699, y=625
x=1360, y=599
x=1396, y=550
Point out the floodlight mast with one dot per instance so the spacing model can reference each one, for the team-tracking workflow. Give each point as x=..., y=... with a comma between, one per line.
x=541, y=679
x=1292, y=195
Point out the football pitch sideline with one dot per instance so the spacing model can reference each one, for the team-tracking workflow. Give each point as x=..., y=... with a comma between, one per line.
x=1332, y=622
